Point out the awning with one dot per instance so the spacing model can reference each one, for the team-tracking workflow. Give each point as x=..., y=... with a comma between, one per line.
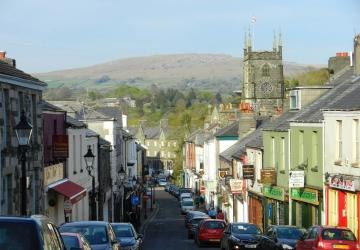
x=69, y=189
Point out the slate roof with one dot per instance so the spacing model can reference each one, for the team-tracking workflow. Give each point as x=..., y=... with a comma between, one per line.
x=102, y=141
x=111, y=112
x=6, y=69
x=229, y=131
x=80, y=111
x=46, y=106
x=74, y=123
x=91, y=133
x=345, y=95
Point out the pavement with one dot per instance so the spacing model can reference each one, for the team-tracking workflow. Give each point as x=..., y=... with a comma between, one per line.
x=150, y=215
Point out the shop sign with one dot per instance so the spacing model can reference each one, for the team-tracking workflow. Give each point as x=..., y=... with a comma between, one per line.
x=305, y=195
x=236, y=186
x=222, y=174
x=268, y=176
x=296, y=179
x=67, y=206
x=276, y=193
x=341, y=183
x=53, y=173
x=60, y=146
x=202, y=189
x=248, y=172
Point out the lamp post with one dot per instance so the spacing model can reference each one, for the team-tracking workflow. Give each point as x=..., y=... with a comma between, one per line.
x=121, y=175
x=23, y=132
x=89, y=161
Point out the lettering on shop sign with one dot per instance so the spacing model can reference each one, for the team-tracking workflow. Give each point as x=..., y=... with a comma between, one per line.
x=248, y=172
x=341, y=183
x=306, y=195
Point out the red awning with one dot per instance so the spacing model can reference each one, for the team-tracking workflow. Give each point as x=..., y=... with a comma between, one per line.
x=70, y=190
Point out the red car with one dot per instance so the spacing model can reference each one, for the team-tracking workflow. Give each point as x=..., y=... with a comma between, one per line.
x=328, y=237
x=209, y=231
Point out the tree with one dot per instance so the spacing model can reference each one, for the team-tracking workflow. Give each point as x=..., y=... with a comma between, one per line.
x=218, y=98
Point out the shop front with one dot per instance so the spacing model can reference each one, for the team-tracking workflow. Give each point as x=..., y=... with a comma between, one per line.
x=256, y=211
x=275, y=207
x=343, y=202
x=306, y=209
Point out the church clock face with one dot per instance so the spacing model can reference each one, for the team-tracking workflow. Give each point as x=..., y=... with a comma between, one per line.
x=266, y=87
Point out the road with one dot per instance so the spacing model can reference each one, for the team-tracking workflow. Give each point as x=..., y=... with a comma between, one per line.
x=166, y=231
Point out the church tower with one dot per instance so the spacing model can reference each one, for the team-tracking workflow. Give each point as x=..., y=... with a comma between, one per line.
x=263, y=82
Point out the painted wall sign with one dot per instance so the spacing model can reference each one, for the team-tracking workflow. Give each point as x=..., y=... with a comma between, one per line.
x=53, y=173
x=305, y=195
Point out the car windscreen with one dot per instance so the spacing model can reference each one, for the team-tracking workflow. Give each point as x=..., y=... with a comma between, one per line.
x=95, y=234
x=70, y=241
x=337, y=234
x=245, y=229
x=123, y=231
x=288, y=233
x=18, y=235
x=214, y=225
x=188, y=203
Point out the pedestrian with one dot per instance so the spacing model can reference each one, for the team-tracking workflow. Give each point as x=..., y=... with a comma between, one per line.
x=220, y=215
x=212, y=212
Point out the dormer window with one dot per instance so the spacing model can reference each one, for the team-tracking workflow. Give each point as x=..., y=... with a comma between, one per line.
x=295, y=99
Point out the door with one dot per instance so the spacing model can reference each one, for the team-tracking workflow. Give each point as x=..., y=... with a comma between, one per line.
x=352, y=212
x=333, y=207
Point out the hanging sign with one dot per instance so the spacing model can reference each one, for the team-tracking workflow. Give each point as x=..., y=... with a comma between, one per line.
x=135, y=200
x=236, y=186
x=248, y=172
x=296, y=179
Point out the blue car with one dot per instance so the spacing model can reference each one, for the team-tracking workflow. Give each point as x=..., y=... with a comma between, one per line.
x=127, y=236
x=99, y=234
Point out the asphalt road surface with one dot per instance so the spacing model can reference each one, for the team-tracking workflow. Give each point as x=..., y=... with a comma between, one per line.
x=166, y=230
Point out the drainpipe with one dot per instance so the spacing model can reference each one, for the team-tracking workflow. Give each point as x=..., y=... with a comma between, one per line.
x=324, y=212
x=289, y=167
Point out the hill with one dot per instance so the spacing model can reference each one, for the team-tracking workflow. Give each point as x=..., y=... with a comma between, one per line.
x=181, y=71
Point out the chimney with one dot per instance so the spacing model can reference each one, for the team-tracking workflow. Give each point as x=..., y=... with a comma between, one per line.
x=2, y=55
x=357, y=54
x=11, y=62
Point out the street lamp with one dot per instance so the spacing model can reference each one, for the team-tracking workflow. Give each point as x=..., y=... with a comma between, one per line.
x=23, y=132
x=121, y=175
x=89, y=161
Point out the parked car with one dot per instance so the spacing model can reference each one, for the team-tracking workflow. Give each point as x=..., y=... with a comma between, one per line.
x=75, y=241
x=127, y=236
x=193, y=225
x=187, y=204
x=285, y=236
x=241, y=236
x=327, y=237
x=210, y=231
x=162, y=182
x=167, y=187
x=35, y=231
x=192, y=214
x=100, y=234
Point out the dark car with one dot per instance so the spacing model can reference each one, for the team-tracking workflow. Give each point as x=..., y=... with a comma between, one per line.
x=75, y=241
x=285, y=236
x=193, y=226
x=241, y=236
x=127, y=236
x=192, y=214
x=100, y=234
x=36, y=231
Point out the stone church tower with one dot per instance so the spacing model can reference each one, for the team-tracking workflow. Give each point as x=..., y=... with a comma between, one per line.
x=263, y=82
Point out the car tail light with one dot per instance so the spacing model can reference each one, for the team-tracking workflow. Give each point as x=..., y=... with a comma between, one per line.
x=357, y=247
x=320, y=244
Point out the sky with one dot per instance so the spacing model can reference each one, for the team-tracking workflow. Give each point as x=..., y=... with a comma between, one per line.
x=49, y=35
